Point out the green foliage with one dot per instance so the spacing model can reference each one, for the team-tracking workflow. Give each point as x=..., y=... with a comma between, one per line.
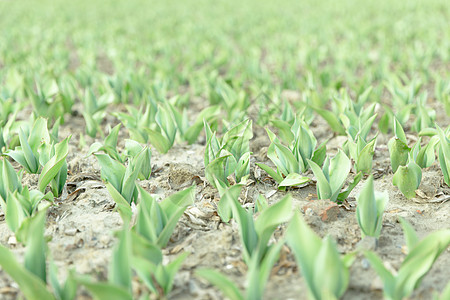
x=444, y=154
x=293, y=159
x=370, y=209
x=326, y=273
x=94, y=111
x=408, y=178
x=398, y=147
x=121, y=180
x=156, y=221
x=38, y=153
x=163, y=136
x=257, y=276
x=422, y=254
x=229, y=155
x=32, y=276
x=255, y=234
x=332, y=176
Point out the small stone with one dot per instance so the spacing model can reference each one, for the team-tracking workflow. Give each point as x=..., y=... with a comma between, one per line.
x=12, y=240
x=70, y=231
x=327, y=210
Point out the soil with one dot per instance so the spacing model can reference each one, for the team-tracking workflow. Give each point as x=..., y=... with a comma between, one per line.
x=82, y=224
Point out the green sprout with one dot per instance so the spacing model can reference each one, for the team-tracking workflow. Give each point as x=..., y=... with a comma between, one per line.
x=369, y=212
x=229, y=155
x=156, y=221
x=33, y=276
x=121, y=180
x=444, y=154
x=257, y=276
x=38, y=153
x=332, y=176
x=326, y=272
x=422, y=254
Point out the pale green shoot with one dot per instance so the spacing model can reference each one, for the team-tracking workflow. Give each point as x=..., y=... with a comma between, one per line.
x=422, y=254
x=326, y=272
x=370, y=209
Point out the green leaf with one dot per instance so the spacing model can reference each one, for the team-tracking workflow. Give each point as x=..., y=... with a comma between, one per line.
x=32, y=164
x=9, y=181
x=331, y=276
x=323, y=187
x=410, y=234
x=305, y=245
x=66, y=292
x=331, y=119
x=170, y=271
x=407, y=179
x=225, y=205
x=420, y=260
x=173, y=207
x=30, y=285
x=294, y=179
x=14, y=213
x=35, y=251
x=389, y=281
x=249, y=237
x=123, y=206
x=101, y=290
x=272, y=173
x=161, y=143
x=53, y=166
x=369, y=212
x=228, y=288
x=220, y=169
x=165, y=120
x=270, y=219
x=365, y=157
x=112, y=171
x=444, y=155
x=120, y=269
x=426, y=155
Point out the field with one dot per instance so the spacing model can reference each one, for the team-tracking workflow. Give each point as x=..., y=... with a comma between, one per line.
x=225, y=149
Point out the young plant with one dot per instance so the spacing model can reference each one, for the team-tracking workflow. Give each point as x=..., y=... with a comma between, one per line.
x=132, y=149
x=109, y=146
x=257, y=276
x=10, y=181
x=121, y=180
x=147, y=261
x=255, y=234
x=229, y=155
x=28, y=153
x=162, y=137
x=407, y=178
x=424, y=115
x=293, y=160
x=332, y=176
x=189, y=133
x=422, y=254
x=398, y=147
x=326, y=273
x=156, y=221
x=38, y=153
x=44, y=97
x=20, y=206
x=94, y=111
x=357, y=147
x=370, y=209
x=32, y=276
x=444, y=154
